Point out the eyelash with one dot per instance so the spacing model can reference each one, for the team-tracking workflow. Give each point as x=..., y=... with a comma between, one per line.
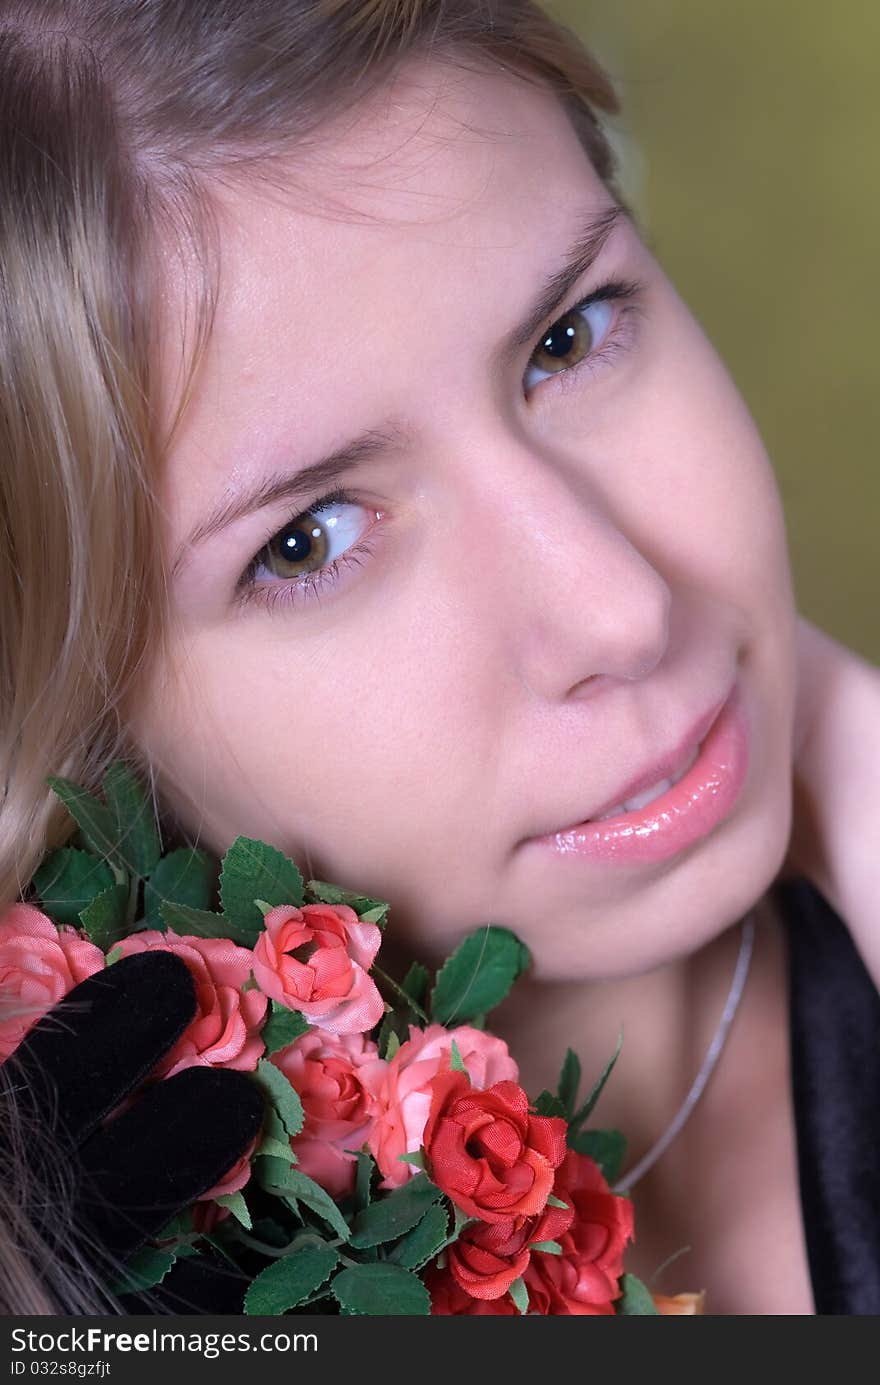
x=311, y=584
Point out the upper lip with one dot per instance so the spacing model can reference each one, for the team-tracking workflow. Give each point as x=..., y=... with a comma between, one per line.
x=665, y=767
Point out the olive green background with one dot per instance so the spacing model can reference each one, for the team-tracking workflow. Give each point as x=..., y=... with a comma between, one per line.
x=749, y=132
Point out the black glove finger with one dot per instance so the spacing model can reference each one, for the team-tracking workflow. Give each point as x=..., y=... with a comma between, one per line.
x=93, y=1048
x=172, y=1145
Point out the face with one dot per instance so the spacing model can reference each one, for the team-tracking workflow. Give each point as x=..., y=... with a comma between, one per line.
x=559, y=578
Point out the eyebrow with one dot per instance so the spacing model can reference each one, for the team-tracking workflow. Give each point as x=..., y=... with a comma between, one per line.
x=590, y=240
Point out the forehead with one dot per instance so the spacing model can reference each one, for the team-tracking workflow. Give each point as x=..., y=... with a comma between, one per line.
x=351, y=283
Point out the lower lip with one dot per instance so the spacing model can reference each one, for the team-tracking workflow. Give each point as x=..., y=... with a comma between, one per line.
x=681, y=816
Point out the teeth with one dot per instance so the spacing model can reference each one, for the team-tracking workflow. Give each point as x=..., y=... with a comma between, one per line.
x=641, y=800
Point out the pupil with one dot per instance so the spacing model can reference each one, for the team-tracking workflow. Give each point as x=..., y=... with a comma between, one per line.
x=558, y=341
x=296, y=545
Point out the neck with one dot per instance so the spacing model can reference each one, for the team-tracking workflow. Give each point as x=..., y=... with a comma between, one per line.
x=669, y=1017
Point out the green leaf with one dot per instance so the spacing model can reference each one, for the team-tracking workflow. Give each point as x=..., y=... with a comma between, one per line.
x=415, y=983
x=379, y=915
x=181, y=877
x=322, y=892
x=286, y=1283
x=254, y=870
x=569, y=1081
x=104, y=919
x=478, y=975
x=417, y=1159
x=547, y=1247
x=237, y=1206
x=202, y=923
x=380, y=1290
x=392, y=1044
x=114, y=955
x=585, y=1111
x=282, y=1027
x=606, y=1147
x=272, y=1147
x=520, y=1295
x=134, y=818
x=144, y=1270
x=281, y=1095
x=299, y=1187
x=270, y=1171
x=635, y=1299
x=456, y=1062
x=68, y=880
x=546, y=1104
x=423, y=1242
x=394, y=1214
x=554, y=1201
x=94, y=819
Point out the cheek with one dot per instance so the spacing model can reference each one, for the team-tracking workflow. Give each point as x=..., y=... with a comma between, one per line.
x=359, y=753
x=706, y=510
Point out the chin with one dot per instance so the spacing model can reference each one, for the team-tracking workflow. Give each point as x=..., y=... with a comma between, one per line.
x=676, y=910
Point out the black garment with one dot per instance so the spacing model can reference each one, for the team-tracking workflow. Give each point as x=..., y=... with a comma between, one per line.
x=835, y=1060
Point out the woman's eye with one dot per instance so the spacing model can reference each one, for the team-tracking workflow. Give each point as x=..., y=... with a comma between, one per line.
x=573, y=338
x=308, y=552
x=313, y=539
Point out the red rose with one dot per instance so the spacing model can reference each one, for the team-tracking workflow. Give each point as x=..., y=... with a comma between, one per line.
x=489, y=1256
x=487, y=1152
x=448, y=1299
x=584, y=1279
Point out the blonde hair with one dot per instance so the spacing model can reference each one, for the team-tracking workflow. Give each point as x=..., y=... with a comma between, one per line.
x=114, y=117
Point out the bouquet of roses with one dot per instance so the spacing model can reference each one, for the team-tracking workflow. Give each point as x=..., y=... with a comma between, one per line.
x=400, y=1168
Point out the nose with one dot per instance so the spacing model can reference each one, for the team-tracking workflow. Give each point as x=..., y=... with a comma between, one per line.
x=575, y=597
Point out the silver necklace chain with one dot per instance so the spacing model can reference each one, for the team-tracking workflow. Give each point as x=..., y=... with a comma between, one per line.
x=713, y=1053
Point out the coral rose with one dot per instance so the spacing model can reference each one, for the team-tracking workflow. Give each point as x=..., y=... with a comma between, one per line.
x=39, y=964
x=584, y=1279
x=403, y=1100
x=334, y=1075
x=316, y=960
x=226, y=1030
x=487, y=1152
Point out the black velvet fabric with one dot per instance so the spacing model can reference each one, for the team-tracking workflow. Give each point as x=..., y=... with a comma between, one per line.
x=835, y=1060
x=133, y=1172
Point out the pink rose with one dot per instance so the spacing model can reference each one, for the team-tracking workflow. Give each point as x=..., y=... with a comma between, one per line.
x=39, y=964
x=226, y=1030
x=334, y=1075
x=316, y=960
x=404, y=1094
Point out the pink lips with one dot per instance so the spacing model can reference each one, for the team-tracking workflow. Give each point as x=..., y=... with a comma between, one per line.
x=679, y=817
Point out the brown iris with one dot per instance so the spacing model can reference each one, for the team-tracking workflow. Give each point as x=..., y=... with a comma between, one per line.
x=568, y=341
x=301, y=546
